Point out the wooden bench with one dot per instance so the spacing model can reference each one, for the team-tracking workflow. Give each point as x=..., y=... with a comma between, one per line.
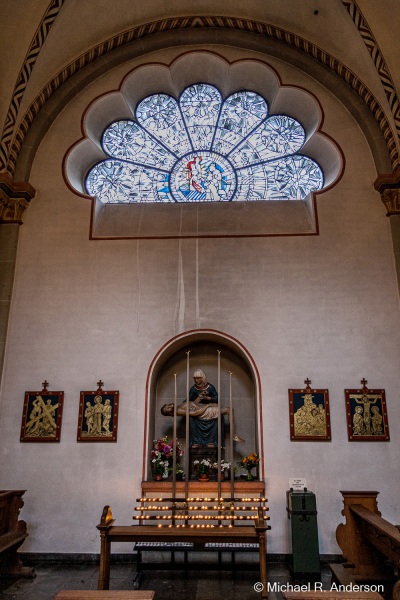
x=370, y=544
x=12, y=534
x=199, y=521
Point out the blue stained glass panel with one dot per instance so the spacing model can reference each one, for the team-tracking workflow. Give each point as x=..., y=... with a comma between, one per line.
x=251, y=184
x=277, y=136
x=160, y=115
x=203, y=149
x=240, y=114
x=280, y=135
x=129, y=141
x=293, y=177
x=289, y=178
x=114, y=181
x=200, y=105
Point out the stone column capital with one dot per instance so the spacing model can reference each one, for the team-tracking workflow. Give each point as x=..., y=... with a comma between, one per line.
x=14, y=199
x=389, y=188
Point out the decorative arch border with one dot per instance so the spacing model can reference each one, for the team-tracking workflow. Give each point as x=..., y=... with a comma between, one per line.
x=13, y=147
x=178, y=342
x=377, y=58
x=24, y=75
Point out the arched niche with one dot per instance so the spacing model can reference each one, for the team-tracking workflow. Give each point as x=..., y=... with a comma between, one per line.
x=237, y=368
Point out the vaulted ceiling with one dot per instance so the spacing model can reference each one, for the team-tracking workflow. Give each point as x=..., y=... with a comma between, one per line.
x=44, y=45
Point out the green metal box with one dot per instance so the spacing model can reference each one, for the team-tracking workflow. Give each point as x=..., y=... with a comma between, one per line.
x=302, y=513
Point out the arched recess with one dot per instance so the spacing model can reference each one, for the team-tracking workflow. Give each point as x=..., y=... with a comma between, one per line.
x=203, y=346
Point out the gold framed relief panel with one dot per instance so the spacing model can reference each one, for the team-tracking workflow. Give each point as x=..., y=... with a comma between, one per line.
x=366, y=413
x=309, y=414
x=98, y=416
x=42, y=416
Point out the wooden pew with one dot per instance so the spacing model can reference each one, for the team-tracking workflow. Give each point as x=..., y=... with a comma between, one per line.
x=12, y=534
x=367, y=541
x=198, y=520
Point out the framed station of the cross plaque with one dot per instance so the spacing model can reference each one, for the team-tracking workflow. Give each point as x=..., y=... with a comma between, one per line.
x=367, y=418
x=98, y=415
x=309, y=414
x=42, y=416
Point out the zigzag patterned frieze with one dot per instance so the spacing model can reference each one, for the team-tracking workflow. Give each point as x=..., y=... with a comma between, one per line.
x=378, y=60
x=23, y=78
x=155, y=27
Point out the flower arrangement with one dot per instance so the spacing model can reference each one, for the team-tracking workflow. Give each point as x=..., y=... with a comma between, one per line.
x=248, y=463
x=158, y=466
x=202, y=467
x=224, y=466
x=179, y=471
x=162, y=454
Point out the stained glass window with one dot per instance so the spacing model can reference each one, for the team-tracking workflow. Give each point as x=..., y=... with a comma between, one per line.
x=202, y=148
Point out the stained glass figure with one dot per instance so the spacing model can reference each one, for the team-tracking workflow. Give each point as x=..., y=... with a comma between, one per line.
x=202, y=148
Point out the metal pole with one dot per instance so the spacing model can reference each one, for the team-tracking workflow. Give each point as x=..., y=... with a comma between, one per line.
x=175, y=445
x=231, y=435
x=187, y=428
x=219, y=425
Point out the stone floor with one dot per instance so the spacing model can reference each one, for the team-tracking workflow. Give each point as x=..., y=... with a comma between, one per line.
x=51, y=577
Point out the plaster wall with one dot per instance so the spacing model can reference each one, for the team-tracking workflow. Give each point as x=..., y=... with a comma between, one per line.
x=324, y=307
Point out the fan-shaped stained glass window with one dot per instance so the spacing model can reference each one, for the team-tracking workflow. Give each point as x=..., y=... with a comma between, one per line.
x=202, y=148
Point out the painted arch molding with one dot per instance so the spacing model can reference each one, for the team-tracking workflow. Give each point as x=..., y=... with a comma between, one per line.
x=202, y=130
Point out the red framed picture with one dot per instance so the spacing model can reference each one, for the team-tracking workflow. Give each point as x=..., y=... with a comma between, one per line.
x=42, y=416
x=366, y=413
x=98, y=416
